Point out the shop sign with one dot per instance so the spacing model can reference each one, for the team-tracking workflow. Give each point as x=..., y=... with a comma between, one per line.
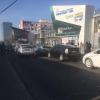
x=62, y=12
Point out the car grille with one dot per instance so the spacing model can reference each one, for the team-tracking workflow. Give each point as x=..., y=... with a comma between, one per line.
x=73, y=50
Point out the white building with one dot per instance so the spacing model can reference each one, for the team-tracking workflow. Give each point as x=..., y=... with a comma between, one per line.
x=96, y=31
x=74, y=16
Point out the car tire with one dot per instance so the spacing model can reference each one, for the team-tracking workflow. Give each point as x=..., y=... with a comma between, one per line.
x=49, y=54
x=89, y=63
x=61, y=57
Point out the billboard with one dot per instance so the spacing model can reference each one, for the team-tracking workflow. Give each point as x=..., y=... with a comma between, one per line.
x=20, y=34
x=67, y=20
x=70, y=14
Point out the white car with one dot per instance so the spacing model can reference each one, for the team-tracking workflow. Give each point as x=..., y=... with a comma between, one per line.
x=25, y=49
x=92, y=59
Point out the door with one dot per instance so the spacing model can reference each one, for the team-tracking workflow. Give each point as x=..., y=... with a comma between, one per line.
x=96, y=58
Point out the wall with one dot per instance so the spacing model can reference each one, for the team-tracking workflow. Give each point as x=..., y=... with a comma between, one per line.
x=88, y=23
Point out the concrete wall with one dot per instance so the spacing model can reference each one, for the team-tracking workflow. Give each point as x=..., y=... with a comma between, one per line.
x=88, y=23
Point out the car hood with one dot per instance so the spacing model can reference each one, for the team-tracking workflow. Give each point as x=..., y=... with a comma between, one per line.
x=88, y=54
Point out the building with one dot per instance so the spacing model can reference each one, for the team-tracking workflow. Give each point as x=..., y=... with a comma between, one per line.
x=19, y=34
x=6, y=32
x=96, y=30
x=31, y=25
x=25, y=25
x=73, y=23
x=40, y=32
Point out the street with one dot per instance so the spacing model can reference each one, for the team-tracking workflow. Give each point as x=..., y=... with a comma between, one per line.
x=42, y=78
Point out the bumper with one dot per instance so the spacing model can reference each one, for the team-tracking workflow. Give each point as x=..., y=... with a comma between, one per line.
x=25, y=53
x=73, y=56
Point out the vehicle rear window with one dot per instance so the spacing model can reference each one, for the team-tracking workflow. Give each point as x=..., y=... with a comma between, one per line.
x=27, y=46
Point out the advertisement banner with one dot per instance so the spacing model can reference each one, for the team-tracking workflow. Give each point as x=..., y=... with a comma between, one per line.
x=70, y=14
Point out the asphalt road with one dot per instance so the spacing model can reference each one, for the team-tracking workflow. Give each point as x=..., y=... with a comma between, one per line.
x=36, y=78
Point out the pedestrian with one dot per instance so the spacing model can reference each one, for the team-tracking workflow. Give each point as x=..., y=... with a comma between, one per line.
x=89, y=46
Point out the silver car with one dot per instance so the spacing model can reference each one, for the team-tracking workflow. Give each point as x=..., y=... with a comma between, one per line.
x=25, y=49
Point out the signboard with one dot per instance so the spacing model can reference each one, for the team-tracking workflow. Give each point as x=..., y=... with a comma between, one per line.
x=19, y=33
x=69, y=14
x=67, y=20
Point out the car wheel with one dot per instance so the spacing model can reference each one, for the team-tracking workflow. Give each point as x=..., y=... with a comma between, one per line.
x=89, y=63
x=61, y=57
x=49, y=54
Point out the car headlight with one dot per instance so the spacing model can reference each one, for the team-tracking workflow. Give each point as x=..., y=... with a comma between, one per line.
x=66, y=51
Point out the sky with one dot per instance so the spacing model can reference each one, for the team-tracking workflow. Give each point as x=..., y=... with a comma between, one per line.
x=33, y=10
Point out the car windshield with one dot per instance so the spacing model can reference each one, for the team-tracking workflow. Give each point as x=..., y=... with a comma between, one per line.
x=70, y=46
x=66, y=46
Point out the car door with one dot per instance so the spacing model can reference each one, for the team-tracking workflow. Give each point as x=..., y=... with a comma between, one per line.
x=53, y=51
x=96, y=58
x=57, y=51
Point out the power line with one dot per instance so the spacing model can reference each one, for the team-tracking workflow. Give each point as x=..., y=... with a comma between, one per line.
x=8, y=7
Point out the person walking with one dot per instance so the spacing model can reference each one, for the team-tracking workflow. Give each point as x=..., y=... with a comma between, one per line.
x=87, y=47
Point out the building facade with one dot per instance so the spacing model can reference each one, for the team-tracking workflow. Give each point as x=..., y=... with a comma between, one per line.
x=96, y=31
x=41, y=32
x=6, y=32
x=75, y=22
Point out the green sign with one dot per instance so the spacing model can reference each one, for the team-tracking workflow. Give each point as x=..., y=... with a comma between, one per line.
x=68, y=33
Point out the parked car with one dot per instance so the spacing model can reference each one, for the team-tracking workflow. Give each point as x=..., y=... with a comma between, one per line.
x=92, y=59
x=24, y=49
x=42, y=51
x=36, y=47
x=65, y=52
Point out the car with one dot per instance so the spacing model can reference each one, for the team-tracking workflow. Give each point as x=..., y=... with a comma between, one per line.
x=92, y=59
x=37, y=46
x=63, y=52
x=24, y=49
x=42, y=51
